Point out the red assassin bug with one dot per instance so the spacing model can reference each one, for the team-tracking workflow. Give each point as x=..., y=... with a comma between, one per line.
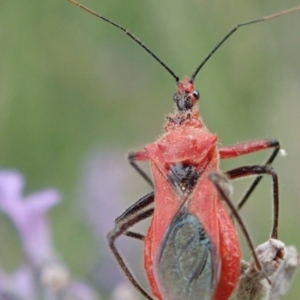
x=191, y=248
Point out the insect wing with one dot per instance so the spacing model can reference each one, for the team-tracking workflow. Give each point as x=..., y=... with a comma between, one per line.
x=187, y=266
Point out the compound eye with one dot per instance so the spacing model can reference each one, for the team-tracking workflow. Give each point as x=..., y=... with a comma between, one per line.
x=188, y=103
x=196, y=94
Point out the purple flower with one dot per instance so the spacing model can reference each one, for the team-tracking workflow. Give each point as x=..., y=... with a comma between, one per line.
x=28, y=215
x=18, y=286
x=43, y=275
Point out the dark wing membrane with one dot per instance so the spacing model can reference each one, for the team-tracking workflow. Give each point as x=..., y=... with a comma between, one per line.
x=187, y=268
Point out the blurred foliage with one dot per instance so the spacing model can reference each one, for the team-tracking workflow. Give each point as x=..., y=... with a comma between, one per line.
x=70, y=83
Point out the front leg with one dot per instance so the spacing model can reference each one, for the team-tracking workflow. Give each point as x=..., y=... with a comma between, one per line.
x=133, y=157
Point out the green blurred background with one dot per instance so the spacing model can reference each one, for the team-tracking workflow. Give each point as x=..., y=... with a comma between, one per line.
x=70, y=83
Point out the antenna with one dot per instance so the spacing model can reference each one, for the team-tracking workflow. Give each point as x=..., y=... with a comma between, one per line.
x=130, y=35
x=234, y=29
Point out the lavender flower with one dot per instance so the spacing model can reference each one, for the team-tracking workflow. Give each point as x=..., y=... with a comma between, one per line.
x=28, y=215
x=43, y=275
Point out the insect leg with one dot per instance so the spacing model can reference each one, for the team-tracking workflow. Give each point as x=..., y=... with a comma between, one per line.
x=139, y=156
x=247, y=148
x=142, y=204
x=135, y=235
x=136, y=213
x=219, y=180
x=261, y=170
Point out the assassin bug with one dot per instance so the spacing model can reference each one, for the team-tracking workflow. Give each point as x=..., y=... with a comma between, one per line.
x=191, y=248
